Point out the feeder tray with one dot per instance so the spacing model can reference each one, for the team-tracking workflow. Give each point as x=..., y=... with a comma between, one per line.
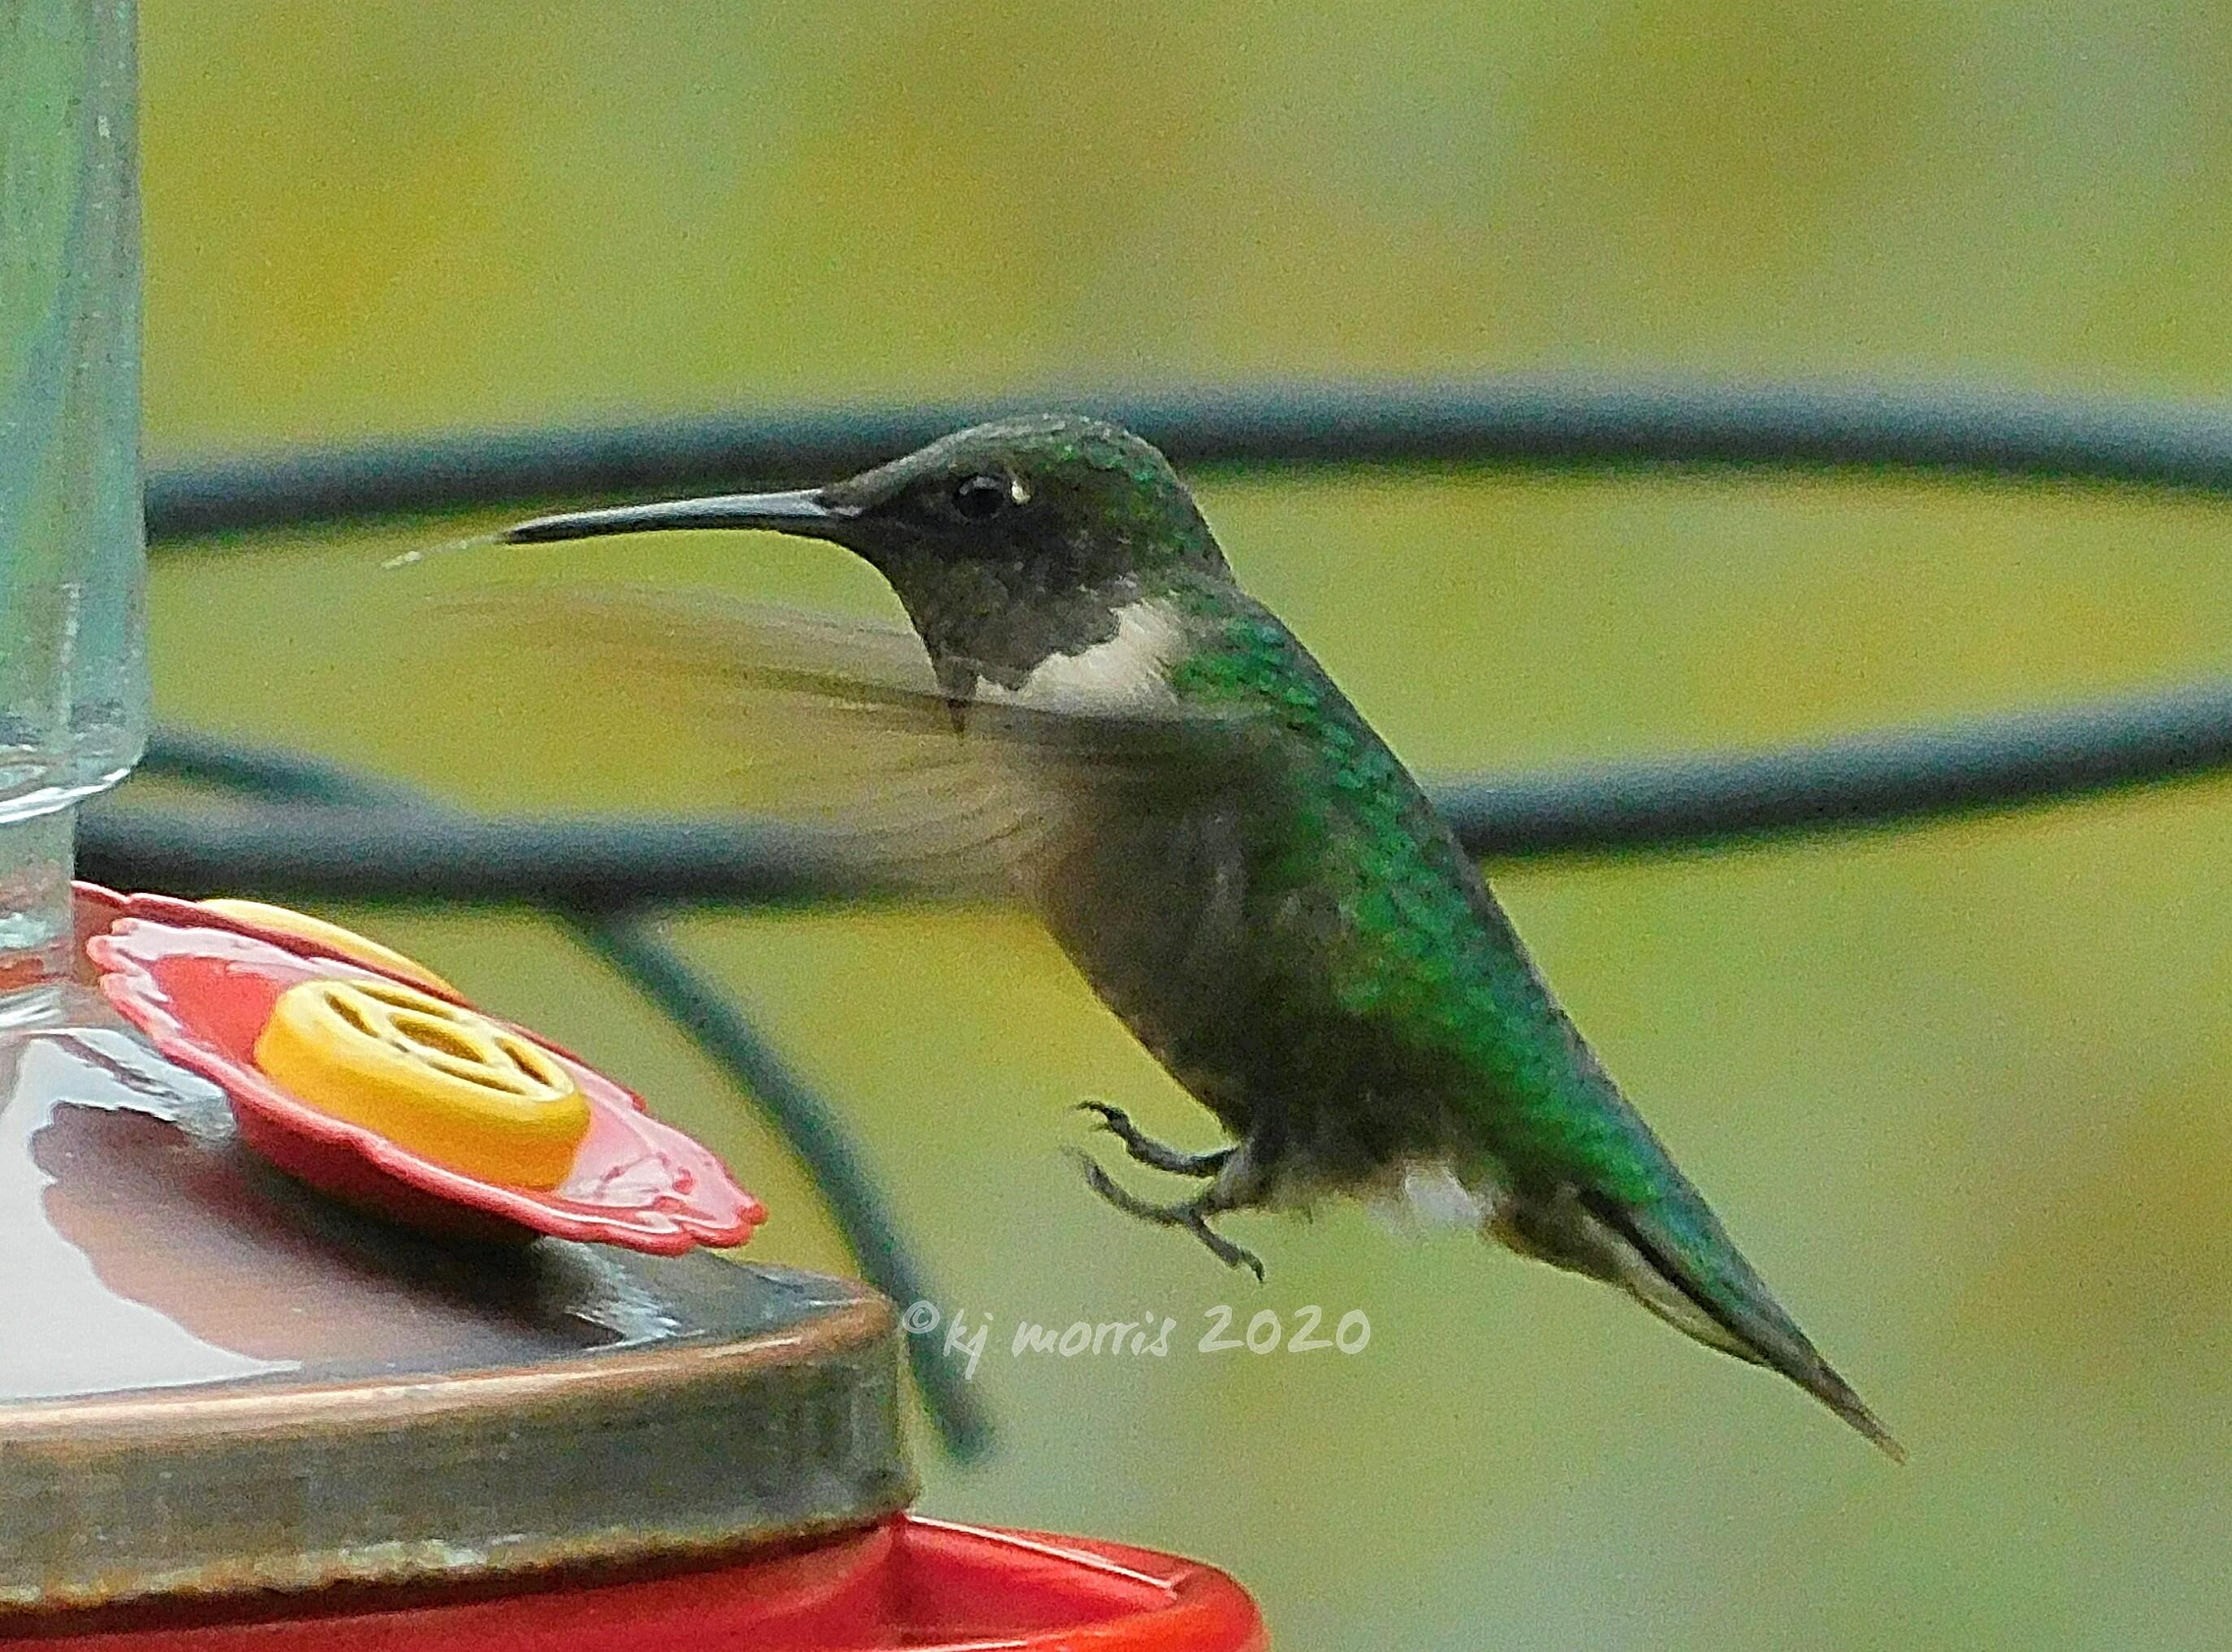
x=213, y=1379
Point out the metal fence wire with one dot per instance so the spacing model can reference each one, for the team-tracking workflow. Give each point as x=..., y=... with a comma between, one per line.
x=328, y=833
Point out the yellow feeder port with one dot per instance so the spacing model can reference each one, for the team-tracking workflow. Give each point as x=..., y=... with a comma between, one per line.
x=332, y=936
x=446, y=1083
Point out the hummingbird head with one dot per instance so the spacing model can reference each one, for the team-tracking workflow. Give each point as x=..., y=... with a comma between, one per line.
x=1007, y=542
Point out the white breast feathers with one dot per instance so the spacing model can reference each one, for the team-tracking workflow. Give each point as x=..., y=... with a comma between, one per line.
x=1127, y=671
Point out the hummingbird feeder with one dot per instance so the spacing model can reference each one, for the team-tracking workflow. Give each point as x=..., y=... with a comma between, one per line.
x=335, y=1312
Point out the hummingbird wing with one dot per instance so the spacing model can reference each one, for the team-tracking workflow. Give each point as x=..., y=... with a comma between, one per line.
x=840, y=724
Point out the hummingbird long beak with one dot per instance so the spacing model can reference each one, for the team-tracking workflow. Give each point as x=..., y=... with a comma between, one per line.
x=802, y=511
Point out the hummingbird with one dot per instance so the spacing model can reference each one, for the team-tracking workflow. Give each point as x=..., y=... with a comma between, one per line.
x=1231, y=856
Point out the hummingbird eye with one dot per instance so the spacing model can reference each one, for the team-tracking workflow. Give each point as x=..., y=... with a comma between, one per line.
x=982, y=497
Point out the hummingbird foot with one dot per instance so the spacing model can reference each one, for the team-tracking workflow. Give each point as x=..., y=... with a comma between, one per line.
x=1192, y=1214
x=1145, y=1150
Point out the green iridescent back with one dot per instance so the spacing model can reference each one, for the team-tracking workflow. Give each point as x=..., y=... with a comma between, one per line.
x=1421, y=951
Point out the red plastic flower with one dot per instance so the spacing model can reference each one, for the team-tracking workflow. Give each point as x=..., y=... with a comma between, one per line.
x=203, y=985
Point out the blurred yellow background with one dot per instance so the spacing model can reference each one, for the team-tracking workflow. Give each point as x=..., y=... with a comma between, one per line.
x=1959, y=1091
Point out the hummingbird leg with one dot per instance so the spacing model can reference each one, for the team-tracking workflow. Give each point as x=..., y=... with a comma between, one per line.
x=1145, y=1150
x=1192, y=1214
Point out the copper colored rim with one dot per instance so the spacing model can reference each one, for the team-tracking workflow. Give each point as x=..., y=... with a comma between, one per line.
x=696, y=1447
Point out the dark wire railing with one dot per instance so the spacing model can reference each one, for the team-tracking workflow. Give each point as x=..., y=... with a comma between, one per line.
x=326, y=833
x=1532, y=422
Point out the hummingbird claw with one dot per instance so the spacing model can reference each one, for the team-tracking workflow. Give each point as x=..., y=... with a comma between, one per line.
x=1145, y=1150
x=1192, y=1214
x=1234, y=1255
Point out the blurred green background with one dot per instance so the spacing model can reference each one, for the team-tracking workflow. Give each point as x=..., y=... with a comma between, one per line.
x=1959, y=1091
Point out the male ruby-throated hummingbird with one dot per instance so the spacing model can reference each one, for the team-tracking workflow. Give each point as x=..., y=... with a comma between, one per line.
x=1234, y=859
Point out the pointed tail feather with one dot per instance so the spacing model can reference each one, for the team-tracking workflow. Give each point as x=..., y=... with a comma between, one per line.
x=1703, y=1277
